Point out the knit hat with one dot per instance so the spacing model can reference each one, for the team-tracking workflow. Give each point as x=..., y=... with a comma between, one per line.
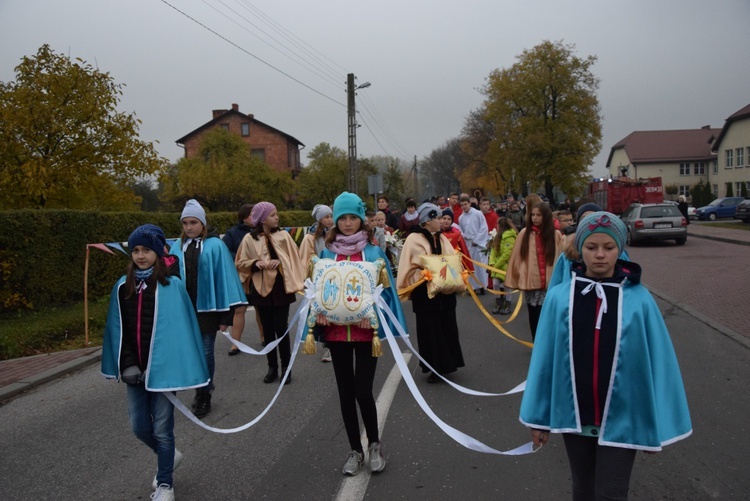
x=320, y=211
x=448, y=212
x=601, y=222
x=150, y=236
x=348, y=203
x=427, y=212
x=260, y=212
x=194, y=209
x=589, y=207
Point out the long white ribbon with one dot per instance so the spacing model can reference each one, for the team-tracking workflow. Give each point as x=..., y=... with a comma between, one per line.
x=459, y=436
x=299, y=318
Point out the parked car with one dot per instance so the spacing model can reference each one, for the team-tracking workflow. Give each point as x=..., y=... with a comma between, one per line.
x=662, y=221
x=721, y=207
x=743, y=211
x=691, y=209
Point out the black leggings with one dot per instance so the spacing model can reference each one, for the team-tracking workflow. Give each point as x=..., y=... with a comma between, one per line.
x=275, y=320
x=354, y=382
x=598, y=472
x=534, y=312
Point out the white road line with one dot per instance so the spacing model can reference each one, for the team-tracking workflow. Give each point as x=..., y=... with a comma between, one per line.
x=354, y=488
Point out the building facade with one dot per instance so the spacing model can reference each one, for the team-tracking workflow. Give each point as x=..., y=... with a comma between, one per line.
x=276, y=148
x=682, y=158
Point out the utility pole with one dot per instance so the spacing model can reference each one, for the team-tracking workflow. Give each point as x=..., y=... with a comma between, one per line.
x=352, y=121
x=351, y=113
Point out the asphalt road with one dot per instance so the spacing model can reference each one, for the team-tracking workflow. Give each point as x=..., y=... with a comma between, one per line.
x=70, y=439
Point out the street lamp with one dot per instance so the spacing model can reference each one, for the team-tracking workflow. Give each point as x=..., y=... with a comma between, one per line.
x=352, y=119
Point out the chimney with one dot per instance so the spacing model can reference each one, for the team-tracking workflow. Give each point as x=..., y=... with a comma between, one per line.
x=218, y=113
x=235, y=107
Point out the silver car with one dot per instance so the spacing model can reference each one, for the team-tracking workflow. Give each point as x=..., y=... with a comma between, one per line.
x=654, y=222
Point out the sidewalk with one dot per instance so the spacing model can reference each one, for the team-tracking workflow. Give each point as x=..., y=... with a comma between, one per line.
x=21, y=374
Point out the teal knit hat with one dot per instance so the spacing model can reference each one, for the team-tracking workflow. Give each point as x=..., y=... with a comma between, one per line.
x=601, y=222
x=348, y=203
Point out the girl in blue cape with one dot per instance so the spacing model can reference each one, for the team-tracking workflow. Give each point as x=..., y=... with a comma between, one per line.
x=208, y=271
x=350, y=240
x=152, y=343
x=603, y=371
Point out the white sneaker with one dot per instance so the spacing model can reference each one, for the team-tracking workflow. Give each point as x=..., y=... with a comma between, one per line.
x=163, y=493
x=353, y=464
x=326, y=355
x=177, y=460
x=376, y=458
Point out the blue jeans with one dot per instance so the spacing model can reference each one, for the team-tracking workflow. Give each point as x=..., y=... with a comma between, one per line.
x=152, y=421
x=209, y=342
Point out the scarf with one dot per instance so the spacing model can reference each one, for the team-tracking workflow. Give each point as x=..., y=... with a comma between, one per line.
x=141, y=276
x=411, y=217
x=350, y=245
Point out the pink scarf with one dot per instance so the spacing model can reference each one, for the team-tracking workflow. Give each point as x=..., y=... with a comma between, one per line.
x=349, y=245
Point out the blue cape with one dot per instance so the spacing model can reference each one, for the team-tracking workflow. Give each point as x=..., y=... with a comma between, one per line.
x=176, y=359
x=219, y=286
x=646, y=406
x=390, y=294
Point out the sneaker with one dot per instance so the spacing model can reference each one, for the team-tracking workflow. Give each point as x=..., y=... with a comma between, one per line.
x=506, y=309
x=496, y=309
x=177, y=460
x=203, y=406
x=326, y=355
x=163, y=493
x=353, y=463
x=375, y=455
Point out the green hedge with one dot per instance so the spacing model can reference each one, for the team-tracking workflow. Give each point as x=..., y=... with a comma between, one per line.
x=42, y=252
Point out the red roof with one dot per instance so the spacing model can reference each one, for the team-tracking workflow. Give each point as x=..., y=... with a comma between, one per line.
x=661, y=146
x=743, y=113
x=221, y=116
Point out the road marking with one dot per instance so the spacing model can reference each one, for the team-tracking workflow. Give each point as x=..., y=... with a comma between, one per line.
x=355, y=488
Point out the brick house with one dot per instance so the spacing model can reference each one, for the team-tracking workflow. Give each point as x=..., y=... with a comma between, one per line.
x=276, y=148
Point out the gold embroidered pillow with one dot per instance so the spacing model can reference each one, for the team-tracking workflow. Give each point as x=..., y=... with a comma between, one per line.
x=445, y=272
x=344, y=289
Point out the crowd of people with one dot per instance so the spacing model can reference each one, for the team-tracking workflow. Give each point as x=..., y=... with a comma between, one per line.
x=580, y=289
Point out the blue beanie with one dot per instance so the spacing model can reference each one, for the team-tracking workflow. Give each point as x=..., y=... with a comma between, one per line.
x=448, y=212
x=589, y=207
x=150, y=236
x=348, y=203
x=428, y=211
x=601, y=222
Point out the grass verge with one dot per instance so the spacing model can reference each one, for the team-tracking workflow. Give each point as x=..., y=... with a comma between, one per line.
x=51, y=329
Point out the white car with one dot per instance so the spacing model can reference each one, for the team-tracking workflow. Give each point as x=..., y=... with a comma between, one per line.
x=691, y=209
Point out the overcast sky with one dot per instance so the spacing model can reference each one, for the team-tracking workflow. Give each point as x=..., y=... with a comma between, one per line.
x=667, y=64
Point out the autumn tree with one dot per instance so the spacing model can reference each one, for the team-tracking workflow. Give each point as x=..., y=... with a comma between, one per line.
x=224, y=175
x=62, y=141
x=540, y=123
x=438, y=169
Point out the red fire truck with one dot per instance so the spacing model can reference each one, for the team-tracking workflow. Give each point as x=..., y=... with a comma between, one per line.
x=615, y=195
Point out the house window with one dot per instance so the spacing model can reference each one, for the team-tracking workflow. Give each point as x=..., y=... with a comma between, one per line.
x=715, y=190
x=225, y=126
x=729, y=159
x=684, y=191
x=716, y=166
x=699, y=168
x=738, y=189
x=685, y=169
x=740, y=157
x=259, y=153
x=245, y=129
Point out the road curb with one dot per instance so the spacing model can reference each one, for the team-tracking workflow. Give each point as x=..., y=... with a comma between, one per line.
x=736, y=336
x=35, y=380
x=719, y=239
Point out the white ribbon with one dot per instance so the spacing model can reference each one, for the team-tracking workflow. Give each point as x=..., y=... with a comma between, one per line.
x=299, y=318
x=460, y=437
x=597, y=286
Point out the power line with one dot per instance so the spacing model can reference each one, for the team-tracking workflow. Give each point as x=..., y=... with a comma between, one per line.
x=253, y=55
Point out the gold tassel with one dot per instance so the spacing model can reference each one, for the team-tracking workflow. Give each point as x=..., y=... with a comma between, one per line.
x=309, y=348
x=377, y=349
x=383, y=279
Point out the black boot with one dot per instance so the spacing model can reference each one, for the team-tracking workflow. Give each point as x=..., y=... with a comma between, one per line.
x=273, y=375
x=289, y=377
x=203, y=405
x=498, y=305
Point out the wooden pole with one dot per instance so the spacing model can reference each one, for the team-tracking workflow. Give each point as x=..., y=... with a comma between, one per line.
x=86, y=296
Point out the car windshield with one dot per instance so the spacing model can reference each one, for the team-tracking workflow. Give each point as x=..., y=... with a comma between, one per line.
x=660, y=211
x=716, y=202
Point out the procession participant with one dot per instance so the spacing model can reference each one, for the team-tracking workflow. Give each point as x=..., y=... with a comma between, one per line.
x=207, y=269
x=474, y=230
x=603, y=371
x=437, y=328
